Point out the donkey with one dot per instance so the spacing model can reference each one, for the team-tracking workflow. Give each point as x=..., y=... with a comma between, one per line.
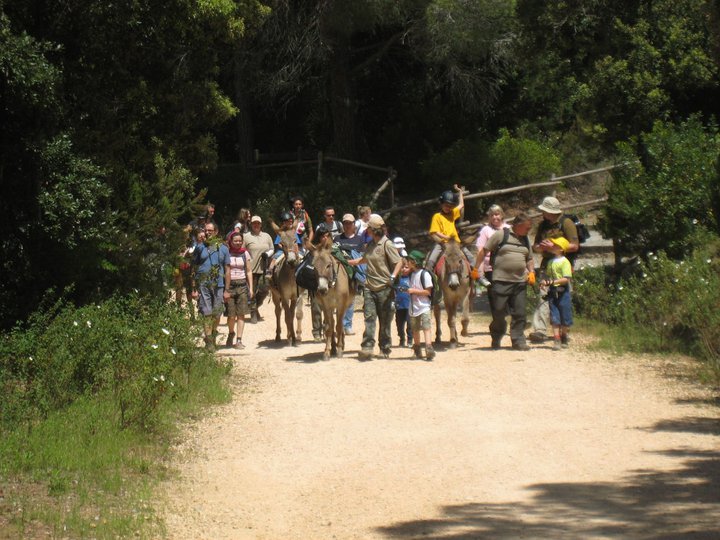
x=283, y=287
x=334, y=295
x=454, y=277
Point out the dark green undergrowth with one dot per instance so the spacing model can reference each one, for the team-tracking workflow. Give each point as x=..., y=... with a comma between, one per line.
x=92, y=397
x=658, y=304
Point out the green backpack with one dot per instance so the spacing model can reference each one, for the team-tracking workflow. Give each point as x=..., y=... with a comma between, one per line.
x=436, y=292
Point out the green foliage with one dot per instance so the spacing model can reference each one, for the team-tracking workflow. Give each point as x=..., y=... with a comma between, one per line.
x=137, y=352
x=508, y=161
x=602, y=72
x=667, y=191
x=91, y=396
x=660, y=304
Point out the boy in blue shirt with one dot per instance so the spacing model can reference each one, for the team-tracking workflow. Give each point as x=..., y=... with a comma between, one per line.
x=402, y=307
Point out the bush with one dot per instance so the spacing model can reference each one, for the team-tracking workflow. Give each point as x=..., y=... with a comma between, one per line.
x=673, y=303
x=657, y=202
x=135, y=350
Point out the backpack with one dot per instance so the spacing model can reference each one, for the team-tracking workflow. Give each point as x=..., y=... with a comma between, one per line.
x=582, y=230
x=506, y=236
x=436, y=291
x=305, y=276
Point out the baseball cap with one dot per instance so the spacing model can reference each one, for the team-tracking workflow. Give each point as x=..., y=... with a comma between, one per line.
x=257, y=219
x=348, y=217
x=376, y=222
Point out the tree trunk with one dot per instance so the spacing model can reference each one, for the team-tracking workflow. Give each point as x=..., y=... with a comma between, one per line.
x=243, y=119
x=343, y=104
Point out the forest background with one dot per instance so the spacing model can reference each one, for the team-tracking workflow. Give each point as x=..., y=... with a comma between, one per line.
x=115, y=115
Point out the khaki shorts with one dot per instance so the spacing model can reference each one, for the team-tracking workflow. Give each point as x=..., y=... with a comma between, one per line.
x=238, y=302
x=420, y=322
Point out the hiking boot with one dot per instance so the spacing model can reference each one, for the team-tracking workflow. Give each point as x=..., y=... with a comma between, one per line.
x=417, y=349
x=536, y=337
x=253, y=317
x=495, y=345
x=429, y=353
x=565, y=341
x=557, y=345
x=365, y=354
x=521, y=346
x=230, y=339
x=386, y=352
x=402, y=342
x=239, y=345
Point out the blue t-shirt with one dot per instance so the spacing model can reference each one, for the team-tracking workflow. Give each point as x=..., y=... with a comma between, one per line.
x=205, y=259
x=402, y=297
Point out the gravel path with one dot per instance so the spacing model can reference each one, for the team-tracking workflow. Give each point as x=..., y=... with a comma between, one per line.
x=476, y=444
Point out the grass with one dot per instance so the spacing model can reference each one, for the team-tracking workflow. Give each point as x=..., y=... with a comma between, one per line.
x=78, y=474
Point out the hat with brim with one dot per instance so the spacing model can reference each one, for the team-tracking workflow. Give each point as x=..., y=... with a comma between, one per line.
x=256, y=219
x=348, y=217
x=550, y=205
x=399, y=242
x=417, y=257
x=376, y=222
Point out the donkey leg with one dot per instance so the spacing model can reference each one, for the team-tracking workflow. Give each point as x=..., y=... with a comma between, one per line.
x=329, y=338
x=339, y=334
x=438, y=323
x=287, y=306
x=451, y=326
x=278, y=328
x=465, y=319
x=298, y=318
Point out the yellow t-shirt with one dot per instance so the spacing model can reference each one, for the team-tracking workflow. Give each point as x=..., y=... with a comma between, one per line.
x=445, y=225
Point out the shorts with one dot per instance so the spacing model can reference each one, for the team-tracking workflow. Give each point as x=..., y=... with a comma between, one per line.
x=560, y=304
x=210, y=300
x=238, y=302
x=420, y=322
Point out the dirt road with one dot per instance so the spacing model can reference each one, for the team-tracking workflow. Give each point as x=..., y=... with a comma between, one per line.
x=475, y=444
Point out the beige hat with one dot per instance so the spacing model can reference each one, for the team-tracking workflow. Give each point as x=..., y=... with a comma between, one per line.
x=550, y=205
x=257, y=219
x=349, y=217
x=376, y=222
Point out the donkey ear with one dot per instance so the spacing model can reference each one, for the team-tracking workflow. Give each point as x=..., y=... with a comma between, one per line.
x=274, y=226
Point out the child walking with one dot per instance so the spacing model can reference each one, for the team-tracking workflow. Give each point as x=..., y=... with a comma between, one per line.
x=402, y=306
x=559, y=279
x=420, y=292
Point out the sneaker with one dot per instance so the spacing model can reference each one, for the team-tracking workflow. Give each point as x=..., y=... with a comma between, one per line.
x=410, y=343
x=365, y=354
x=417, y=349
x=429, y=353
x=239, y=345
x=230, y=339
x=557, y=345
x=349, y=332
x=536, y=337
x=565, y=341
x=521, y=346
x=402, y=343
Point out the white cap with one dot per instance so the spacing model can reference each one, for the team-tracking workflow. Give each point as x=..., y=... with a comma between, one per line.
x=256, y=219
x=399, y=242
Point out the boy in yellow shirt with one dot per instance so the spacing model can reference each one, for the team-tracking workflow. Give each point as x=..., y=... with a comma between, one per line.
x=442, y=225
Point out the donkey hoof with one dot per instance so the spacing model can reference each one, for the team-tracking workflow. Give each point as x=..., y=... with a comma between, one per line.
x=464, y=332
x=453, y=345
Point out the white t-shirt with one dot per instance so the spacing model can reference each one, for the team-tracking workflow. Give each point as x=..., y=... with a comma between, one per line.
x=420, y=304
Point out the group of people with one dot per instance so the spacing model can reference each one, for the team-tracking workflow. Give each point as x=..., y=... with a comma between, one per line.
x=233, y=275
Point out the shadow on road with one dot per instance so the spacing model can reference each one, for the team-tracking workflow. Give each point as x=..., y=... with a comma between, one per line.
x=649, y=504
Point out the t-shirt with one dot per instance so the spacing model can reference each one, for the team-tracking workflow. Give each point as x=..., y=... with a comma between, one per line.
x=485, y=233
x=237, y=266
x=445, y=224
x=558, y=268
x=355, y=243
x=206, y=258
x=257, y=244
x=512, y=258
x=402, y=297
x=420, y=304
x=381, y=259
